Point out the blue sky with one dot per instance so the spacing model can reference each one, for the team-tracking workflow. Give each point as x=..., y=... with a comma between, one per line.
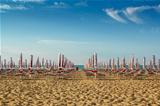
x=77, y=28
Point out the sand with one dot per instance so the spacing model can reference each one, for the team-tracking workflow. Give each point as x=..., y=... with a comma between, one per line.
x=79, y=92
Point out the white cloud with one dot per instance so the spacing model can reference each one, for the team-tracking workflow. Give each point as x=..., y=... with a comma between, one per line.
x=130, y=13
x=82, y=3
x=50, y=42
x=59, y=5
x=134, y=10
x=28, y=1
x=115, y=15
x=132, y=16
x=4, y=7
x=19, y=8
x=157, y=8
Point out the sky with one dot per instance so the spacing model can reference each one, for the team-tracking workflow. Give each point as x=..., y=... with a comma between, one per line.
x=77, y=28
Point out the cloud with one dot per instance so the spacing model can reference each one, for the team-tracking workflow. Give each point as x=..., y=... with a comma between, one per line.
x=59, y=5
x=5, y=7
x=115, y=15
x=50, y=42
x=82, y=3
x=38, y=1
x=157, y=8
x=130, y=13
x=20, y=8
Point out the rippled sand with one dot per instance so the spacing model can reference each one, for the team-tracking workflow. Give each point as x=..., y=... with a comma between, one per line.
x=87, y=92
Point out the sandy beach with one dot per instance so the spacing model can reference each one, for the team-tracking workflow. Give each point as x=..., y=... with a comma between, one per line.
x=87, y=92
